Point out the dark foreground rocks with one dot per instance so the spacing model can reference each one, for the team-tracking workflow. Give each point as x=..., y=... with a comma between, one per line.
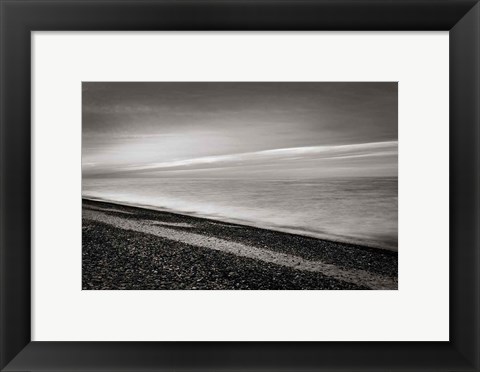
x=114, y=258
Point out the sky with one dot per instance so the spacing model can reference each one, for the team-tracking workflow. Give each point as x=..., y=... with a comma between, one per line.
x=244, y=130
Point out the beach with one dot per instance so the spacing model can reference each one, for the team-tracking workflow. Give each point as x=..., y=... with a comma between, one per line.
x=126, y=247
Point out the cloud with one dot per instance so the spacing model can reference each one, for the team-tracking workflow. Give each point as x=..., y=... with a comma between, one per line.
x=118, y=109
x=362, y=150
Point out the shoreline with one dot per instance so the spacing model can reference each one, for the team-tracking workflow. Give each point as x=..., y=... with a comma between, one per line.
x=233, y=221
x=125, y=247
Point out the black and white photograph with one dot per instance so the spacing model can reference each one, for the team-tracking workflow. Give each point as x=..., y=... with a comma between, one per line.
x=239, y=186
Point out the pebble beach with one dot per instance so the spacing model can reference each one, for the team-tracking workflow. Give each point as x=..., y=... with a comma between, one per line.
x=131, y=248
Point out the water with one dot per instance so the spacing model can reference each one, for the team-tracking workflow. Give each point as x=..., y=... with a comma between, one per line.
x=356, y=210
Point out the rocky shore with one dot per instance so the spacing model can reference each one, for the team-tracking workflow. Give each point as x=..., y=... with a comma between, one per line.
x=133, y=248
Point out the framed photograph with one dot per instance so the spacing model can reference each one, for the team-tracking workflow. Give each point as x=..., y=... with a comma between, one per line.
x=263, y=185
x=248, y=185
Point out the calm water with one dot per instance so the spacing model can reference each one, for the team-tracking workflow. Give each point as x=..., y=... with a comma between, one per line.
x=357, y=210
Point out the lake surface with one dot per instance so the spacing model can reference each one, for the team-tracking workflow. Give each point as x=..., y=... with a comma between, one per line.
x=357, y=210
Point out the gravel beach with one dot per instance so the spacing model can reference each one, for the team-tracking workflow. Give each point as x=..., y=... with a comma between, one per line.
x=126, y=247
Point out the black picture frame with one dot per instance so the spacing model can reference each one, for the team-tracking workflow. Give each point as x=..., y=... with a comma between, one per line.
x=20, y=17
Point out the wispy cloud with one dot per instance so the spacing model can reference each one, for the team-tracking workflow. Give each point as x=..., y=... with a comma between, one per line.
x=121, y=109
x=361, y=150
